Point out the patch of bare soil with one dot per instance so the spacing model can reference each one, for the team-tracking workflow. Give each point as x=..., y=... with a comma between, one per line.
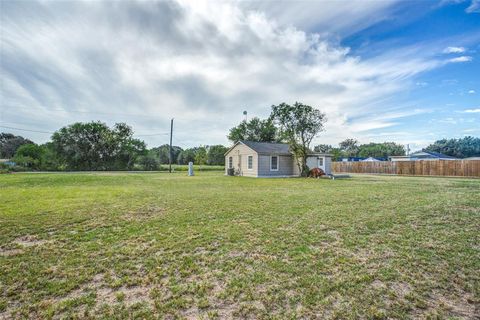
x=28, y=241
x=10, y=252
x=144, y=213
x=401, y=289
x=107, y=295
x=464, y=307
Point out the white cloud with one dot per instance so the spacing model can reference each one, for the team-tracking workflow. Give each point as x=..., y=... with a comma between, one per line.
x=474, y=7
x=334, y=17
x=454, y=50
x=145, y=62
x=471, y=91
x=477, y=110
x=461, y=59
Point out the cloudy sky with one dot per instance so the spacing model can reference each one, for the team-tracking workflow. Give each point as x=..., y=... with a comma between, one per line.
x=381, y=70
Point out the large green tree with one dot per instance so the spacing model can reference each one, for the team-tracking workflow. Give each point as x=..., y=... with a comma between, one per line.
x=162, y=153
x=298, y=125
x=187, y=155
x=9, y=144
x=254, y=130
x=381, y=150
x=460, y=148
x=349, y=147
x=95, y=146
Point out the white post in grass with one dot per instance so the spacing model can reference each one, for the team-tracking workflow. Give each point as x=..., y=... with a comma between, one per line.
x=190, y=169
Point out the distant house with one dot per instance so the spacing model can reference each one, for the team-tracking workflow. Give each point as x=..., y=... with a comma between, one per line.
x=7, y=162
x=266, y=159
x=356, y=159
x=472, y=158
x=352, y=159
x=422, y=155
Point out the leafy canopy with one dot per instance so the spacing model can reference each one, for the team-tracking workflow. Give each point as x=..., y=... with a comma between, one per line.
x=9, y=144
x=254, y=130
x=298, y=124
x=460, y=148
x=349, y=147
x=95, y=146
x=381, y=150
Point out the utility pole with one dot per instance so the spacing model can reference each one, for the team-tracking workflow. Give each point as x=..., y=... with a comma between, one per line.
x=170, y=149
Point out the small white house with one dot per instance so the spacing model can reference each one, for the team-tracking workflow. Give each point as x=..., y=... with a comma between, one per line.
x=268, y=159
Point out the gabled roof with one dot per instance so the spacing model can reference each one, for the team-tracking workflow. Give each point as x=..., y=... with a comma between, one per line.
x=268, y=147
x=265, y=147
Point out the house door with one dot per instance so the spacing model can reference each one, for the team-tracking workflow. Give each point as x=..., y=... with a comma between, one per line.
x=321, y=163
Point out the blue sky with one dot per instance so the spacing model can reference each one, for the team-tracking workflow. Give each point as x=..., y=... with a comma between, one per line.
x=404, y=71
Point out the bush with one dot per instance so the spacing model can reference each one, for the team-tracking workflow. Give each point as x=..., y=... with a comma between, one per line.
x=5, y=168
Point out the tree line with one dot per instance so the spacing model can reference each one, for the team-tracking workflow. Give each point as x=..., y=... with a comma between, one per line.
x=95, y=146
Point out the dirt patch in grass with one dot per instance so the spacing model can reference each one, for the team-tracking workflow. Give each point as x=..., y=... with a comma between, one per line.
x=104, y=295
x=465, y=307
x=145, y=213
x=10, y=252
x=28, y=241
x=23, y=242
x=401, y=289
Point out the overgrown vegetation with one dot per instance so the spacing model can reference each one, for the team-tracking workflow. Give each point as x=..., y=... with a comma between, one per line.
x=157, y=245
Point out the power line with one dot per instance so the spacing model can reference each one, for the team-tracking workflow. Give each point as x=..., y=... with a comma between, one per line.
x=13, y=128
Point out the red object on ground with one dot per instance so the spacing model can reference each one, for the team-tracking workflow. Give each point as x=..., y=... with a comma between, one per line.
x=316, y=173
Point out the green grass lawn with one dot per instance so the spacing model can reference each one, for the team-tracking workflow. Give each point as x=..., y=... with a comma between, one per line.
x=159, y=245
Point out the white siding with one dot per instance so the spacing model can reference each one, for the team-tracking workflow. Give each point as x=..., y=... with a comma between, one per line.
x=240, y=155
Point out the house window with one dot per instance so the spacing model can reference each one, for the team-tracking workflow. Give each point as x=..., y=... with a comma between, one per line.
x=274, y=163
x=250, y=162
x=230, y=162
x=320, y=162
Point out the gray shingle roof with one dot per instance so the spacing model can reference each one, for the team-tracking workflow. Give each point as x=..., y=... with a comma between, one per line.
x=268, y=147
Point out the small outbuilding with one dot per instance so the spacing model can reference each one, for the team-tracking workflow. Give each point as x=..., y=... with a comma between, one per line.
x=269, y=159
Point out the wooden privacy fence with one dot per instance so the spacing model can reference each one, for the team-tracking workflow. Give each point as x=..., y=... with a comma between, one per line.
x=459, y=168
